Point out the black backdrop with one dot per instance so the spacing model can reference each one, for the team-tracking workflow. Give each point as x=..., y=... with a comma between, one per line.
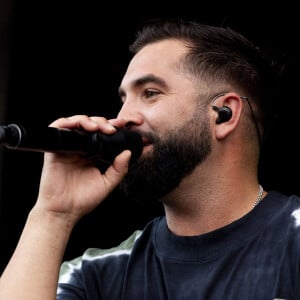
x=68, y=59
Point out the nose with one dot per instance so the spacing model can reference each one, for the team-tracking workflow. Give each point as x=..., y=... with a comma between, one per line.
x=131, y=114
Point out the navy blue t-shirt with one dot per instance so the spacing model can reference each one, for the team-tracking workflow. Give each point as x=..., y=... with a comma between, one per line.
x=256, y=257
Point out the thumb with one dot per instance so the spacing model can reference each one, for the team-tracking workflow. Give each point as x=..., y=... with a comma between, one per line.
x=116, y=172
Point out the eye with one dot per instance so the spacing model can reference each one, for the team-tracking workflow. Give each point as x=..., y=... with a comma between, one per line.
x=150, y=93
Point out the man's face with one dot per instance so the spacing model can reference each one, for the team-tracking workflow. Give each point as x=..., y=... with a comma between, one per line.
x=173, y=157
x=161, y=102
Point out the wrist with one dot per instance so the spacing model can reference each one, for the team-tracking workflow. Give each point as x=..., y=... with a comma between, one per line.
x=56, y=221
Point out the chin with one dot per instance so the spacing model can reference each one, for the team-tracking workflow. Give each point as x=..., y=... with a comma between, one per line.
x=147, y=149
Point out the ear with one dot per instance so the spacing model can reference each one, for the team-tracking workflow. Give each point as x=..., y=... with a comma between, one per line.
x=227, y=112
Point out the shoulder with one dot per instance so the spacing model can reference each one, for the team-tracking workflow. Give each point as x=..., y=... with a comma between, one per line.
x=283, y=200
x=93, y=254
x=116, y=255
x=284, y=216
x=125, y=247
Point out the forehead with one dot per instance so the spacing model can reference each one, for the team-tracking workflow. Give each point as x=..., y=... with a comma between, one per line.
x=169, y=48
x=158, y=58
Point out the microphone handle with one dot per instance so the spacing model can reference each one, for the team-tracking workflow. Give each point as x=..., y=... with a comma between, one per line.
x=94, y=145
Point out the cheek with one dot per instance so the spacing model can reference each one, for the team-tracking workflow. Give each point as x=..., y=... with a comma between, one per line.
x=165, y=118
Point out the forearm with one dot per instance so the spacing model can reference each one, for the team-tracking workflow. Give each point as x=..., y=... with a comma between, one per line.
x=32, y=272
x=70, y=187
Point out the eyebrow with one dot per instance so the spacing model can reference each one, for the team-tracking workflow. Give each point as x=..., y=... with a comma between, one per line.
x=149, y=78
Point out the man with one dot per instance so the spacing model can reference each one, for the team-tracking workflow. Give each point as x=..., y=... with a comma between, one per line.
x=197, y=96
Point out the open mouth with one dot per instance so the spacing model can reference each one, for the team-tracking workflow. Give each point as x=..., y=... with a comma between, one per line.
x=147, y=141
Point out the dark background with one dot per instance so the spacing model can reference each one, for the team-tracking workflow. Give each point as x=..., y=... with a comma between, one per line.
x=68, y=58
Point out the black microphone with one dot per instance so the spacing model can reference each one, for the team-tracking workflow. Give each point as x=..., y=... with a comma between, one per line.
x=96, y=145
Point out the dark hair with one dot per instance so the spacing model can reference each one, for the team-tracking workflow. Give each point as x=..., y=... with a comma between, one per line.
x=220, y=55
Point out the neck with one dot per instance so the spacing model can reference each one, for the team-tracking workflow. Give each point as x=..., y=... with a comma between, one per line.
x=192, y=214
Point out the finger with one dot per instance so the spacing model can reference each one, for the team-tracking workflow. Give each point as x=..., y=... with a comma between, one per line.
x=119, y=123
x=116, y=172
x=84, y=122
x=71, y=121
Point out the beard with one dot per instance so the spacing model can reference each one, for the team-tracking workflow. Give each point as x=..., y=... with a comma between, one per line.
x=155, y=174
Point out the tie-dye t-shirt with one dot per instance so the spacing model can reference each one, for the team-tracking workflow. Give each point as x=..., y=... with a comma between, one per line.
x=255, y=257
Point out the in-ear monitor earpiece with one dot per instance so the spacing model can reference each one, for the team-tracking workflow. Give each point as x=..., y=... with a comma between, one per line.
x=224, y=113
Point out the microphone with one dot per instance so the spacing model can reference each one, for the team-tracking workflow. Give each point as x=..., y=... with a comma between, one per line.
x=96, y=145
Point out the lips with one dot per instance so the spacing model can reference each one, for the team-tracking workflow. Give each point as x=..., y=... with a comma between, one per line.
x=146, y=141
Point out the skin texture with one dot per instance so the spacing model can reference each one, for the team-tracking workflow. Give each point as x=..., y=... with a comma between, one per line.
x=178, y=135
x=207, y=198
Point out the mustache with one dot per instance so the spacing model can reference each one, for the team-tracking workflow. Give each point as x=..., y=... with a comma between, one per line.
x=147, y=136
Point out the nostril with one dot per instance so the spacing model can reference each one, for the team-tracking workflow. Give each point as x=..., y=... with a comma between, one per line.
x=129, y=124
